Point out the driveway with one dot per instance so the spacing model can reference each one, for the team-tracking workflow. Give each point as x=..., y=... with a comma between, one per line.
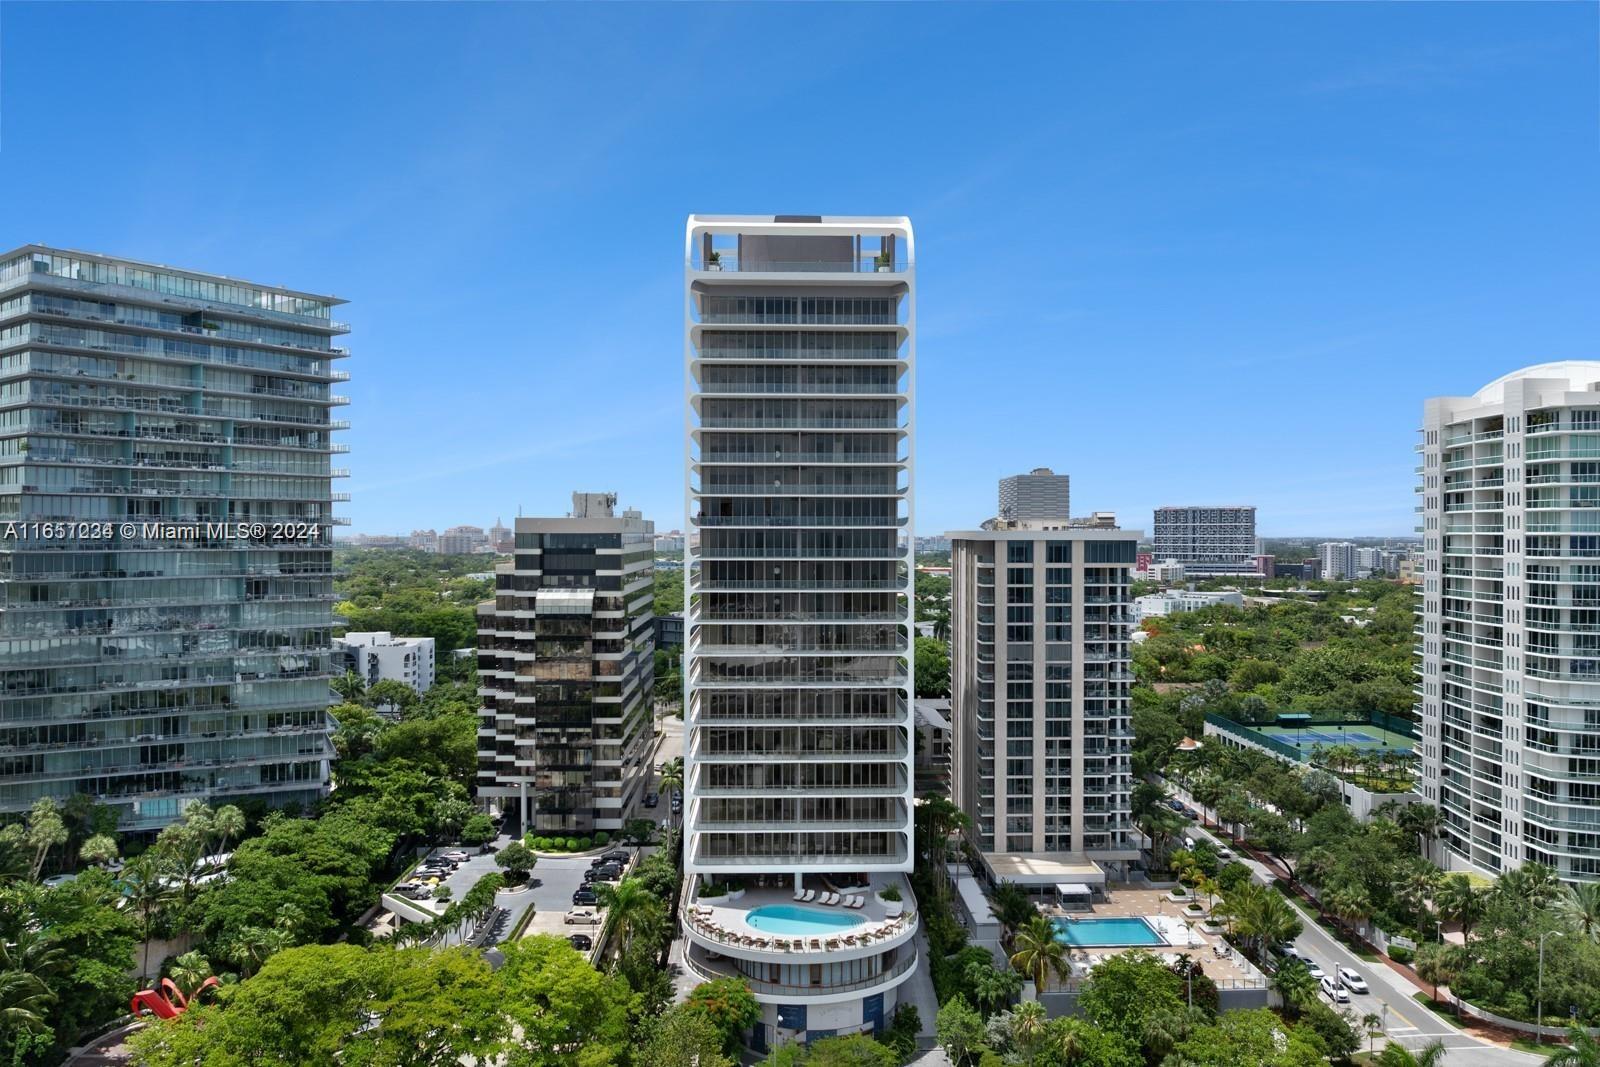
x=1406, y=1022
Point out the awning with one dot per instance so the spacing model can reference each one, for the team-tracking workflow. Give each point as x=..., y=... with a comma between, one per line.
x=1073, y=889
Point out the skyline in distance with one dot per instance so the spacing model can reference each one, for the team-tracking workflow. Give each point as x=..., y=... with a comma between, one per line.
x=1224, y=263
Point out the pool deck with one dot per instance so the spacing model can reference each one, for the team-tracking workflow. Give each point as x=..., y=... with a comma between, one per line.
x=725, y=920
x=1167, y=915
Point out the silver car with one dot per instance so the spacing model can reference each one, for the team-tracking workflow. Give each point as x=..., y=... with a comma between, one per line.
x=1335, y=991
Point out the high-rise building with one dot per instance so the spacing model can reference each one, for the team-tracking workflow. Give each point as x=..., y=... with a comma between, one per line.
x=167, y=621
x=566, y=667
x=1039, y=682
x=1041, y=494
x=1337, y=559
x=800, y=344
x=1208, y=541
x=1510, y=618
x=463, y=541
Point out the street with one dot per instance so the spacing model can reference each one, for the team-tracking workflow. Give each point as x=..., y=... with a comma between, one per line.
x=1405, y=1021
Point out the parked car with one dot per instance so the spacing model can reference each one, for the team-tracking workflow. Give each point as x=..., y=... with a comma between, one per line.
x=1188, y=813
x=1336, y=992
x=1351, y=980
x=617, y=855
x=582, y=917
x=1224, y=853
x=457, y=857
x=652, y=799
x=611, y=872
x=1313, y=966
x=58, y=880
x=585, y=896
x=1175, y=805
x=581, y=942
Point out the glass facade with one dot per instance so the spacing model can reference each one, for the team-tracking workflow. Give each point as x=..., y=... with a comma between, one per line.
x=165, y=505
x=566, y=666
x=798, y=635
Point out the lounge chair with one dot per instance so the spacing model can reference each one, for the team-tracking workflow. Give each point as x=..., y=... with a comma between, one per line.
x=833, y=942
x=816, y=943
x=799, y=894
x=830, y=898
x=810, y=895
x=858, y=902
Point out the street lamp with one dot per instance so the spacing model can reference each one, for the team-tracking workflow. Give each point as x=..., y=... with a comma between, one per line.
x=1539, y=1018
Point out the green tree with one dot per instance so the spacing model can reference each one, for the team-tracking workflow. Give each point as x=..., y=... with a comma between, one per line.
x=682, y=1037
x=991, y=987
x=1459, y=901
x=1295, y=985
x=671, y=781
x=933, y=668
x=1579, y=904
x=517, y=860
x=567, y=1012
x=349, y=686
x=101, y=849
x=730, y=1006
x=40, y=831
x=959, y=1031
x=148, y=894
x=1124, y=991
x=632, y=908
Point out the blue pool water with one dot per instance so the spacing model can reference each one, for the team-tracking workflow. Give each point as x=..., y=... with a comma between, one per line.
x=798, y=922
x=1092, y=933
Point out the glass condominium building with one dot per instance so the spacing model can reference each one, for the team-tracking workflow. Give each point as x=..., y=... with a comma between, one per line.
x=566, y=671
x=797, y=655
x=800, y=348
x=1509, y=623
x=166, y=561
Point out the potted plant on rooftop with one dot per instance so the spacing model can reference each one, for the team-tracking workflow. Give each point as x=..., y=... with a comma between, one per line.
x=893, y=903
x=713, y=260
x=883, y=263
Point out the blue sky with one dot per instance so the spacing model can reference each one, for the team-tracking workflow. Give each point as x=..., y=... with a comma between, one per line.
x=1187, y=254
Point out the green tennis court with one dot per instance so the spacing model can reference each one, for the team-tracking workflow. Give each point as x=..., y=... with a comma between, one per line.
x=1364, y=736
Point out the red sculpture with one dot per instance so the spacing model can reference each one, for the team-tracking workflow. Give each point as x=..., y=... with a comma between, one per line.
x=168, y=1002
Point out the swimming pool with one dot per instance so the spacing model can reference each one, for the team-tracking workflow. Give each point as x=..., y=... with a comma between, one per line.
x=795, y=921
x=1093, y=933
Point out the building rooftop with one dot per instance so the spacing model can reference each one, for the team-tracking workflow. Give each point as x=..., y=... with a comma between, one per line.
x=180, y=271
x=1044, y=868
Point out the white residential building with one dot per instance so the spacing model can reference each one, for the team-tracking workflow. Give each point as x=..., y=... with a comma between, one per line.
x=1510, y=620
x=1039, y=681
x=1208, y=540
x=1176, y=601
x=1337, y=560
x=379, y=656
x=799, y=342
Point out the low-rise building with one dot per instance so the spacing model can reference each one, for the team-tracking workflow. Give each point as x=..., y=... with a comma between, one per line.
x=1175, y=601
x=379, y=656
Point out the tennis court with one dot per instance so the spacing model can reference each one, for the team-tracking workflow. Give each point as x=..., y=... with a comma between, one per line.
x=1355, y=736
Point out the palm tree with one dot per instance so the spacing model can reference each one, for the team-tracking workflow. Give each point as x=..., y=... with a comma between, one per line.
x=1037, y=953
x=1582, y=1050
x=189, y=971
x=1423, y=820
x=1580, y=905
x=1296, y=986
x=148, y=892
x=1027, y=1026
x=350, y=687
x=1011, y=905
x=671, y=783
x=631, y=906
x=1532, y=882
x=24, y=1000
x=1351, y=905
x=1460, y=902
x=1372, y=1023
x=1208, y=790
x=1430, y=1055
x=228, y=823
x=100, y=849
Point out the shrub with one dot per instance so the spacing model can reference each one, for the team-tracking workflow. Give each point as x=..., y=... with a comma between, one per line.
x=890, y=893
x=713, y=890
x=541, y=843
x=1400, y=954
x=585, y=844
x=572, y=844
x=602, y=838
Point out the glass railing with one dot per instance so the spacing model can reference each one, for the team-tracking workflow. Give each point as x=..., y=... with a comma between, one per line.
x=728, y=262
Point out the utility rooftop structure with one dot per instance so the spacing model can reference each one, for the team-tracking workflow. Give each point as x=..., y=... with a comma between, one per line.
x=152, y=656
x=1510, y=620
x=799, y=348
